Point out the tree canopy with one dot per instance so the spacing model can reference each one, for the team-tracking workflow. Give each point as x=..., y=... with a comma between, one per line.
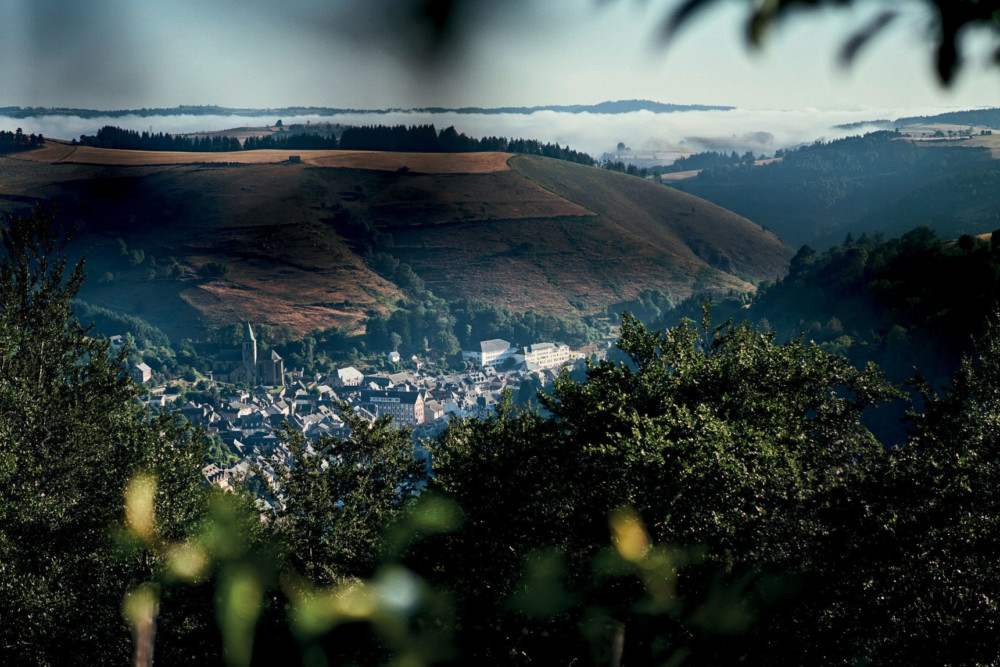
x=71, y=439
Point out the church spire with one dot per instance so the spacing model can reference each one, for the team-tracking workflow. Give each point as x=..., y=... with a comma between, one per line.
x=250, y=355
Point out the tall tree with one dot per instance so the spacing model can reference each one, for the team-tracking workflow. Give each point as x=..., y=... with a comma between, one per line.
x=941, y=509
x=72, y=436
x=716, y=438
x=337, y=495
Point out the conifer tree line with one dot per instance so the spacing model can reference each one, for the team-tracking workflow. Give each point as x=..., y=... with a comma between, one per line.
x=19, y=141
x=713, y=498
x=116, y=137
x=415, y=138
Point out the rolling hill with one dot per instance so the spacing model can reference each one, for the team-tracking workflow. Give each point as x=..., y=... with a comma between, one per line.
x=189, y=240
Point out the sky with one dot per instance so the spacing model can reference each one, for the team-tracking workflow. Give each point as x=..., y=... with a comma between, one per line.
x=118, y=54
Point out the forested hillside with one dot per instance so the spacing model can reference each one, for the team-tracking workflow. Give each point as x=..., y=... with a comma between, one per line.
x=912, y=304
x=817, y=194
x=988, y=117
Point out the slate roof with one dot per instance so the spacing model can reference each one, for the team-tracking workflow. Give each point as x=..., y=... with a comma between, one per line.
x=493, y=345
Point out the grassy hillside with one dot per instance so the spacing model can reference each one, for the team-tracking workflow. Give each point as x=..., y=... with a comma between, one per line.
x=202, y=243
x=684, y=228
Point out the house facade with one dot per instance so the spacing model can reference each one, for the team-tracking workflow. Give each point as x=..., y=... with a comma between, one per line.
x=141, y=373
x=406, y=407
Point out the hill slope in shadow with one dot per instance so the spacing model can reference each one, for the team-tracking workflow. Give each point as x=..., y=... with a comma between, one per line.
x=192, y=245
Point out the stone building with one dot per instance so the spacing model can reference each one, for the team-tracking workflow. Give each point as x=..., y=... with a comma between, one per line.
x=244, y=365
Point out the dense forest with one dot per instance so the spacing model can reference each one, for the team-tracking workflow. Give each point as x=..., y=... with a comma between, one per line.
x=706, y=160
x=116, y=137
x=624, y=168
x=716, y=498
x=988, y=117
x=983, y=117
x=912, y=305
x=816, y=194
x=300, y=141
x=912, y=301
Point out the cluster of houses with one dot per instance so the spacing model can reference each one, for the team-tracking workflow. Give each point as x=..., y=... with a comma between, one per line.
x=248, y=422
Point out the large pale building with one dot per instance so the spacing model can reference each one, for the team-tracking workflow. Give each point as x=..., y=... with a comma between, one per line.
x=490, y=352
x=406, y=407
x=141, y=373
x=545, y=355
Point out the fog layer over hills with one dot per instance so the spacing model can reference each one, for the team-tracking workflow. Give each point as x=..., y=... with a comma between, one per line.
x=660, y=136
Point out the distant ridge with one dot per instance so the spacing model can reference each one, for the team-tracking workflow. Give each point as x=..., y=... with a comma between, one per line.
x=621, y=106
x=618, y=107
x=988, y=116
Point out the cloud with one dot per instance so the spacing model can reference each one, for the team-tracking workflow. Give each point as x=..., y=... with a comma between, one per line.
x=672, y=135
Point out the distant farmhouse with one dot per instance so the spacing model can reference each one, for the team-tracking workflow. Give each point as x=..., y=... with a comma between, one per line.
x=242, y=365
x=490, y=352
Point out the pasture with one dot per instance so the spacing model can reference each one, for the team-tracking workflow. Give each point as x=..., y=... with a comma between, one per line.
x=60, y=152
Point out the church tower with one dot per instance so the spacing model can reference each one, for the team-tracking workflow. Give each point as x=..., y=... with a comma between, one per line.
x=250, y=355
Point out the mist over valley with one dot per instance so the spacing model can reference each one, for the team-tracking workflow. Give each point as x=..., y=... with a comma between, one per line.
x=655, y=138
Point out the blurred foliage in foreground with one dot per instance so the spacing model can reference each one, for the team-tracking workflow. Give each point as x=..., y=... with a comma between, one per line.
x=715, y=499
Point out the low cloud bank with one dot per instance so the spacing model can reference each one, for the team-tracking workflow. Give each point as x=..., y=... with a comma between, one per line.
x=657, y=136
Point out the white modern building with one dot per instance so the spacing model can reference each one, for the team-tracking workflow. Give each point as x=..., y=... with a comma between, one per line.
x=490, y=352
x=545, y=355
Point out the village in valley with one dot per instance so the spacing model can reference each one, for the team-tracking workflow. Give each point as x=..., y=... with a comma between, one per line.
x=249, y=421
